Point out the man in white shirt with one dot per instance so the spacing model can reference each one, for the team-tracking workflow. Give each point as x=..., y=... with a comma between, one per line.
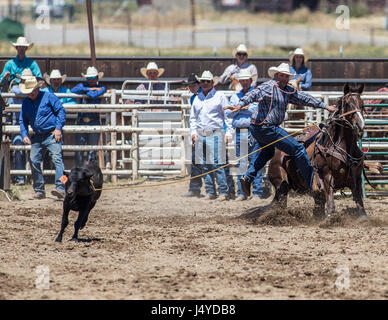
x=207, y=118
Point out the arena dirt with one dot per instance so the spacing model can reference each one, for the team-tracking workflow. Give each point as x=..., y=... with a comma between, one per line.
x=151, y=243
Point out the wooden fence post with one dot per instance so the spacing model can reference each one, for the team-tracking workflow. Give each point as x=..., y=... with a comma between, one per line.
x=5, y=165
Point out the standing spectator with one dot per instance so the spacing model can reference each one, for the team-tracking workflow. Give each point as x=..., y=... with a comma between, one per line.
x=241, y=55
x=11, y=74
x=44, y=112
x=55, y=85
x=272, y=98
x=196, y=183
x=207, y=119
x=241, y=120
x=94, y=91
x=298, y=59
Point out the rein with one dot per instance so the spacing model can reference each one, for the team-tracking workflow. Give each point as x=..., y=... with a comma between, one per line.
x=340, y=120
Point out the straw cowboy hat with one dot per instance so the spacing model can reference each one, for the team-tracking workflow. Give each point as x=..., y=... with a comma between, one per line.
x=29, y=85
x=241, y=48
x=26, y=73
x=55, y=74
x=244, y=74
x=92, y=72
x=298, y=51
x=207, y=75
x=282, y=68
x=151, y=66
x=22, y=42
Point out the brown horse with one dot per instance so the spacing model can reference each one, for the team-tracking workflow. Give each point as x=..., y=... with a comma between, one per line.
x=334, y=154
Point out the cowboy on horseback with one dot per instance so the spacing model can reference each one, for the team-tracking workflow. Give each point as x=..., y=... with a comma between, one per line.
x=272, y=98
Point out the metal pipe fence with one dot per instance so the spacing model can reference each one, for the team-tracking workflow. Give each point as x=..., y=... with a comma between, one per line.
x=126, y=128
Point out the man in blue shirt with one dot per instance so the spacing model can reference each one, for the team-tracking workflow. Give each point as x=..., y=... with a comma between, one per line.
x=12, y=73
x=45, y=114
x=241, y=120
x=55, y=85
x=94, y=91
x=272, y=98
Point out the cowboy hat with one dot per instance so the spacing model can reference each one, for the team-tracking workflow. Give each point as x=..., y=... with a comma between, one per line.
x=207, y=75
x=244, y=74
x=26, y=73
x=298, y=51
x=55, y=74
x=29, y=85
x=241, y=48
x=191, y=79
x=282, y=68
x=22, y=42
x=92, y=72
x=151, y=66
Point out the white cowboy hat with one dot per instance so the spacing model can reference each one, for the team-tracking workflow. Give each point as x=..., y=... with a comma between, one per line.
x=26, y=73
x=55, y=74
x=240, y=48
x=207, y=75
x=22, y=42
x=29, y=85
x=92, y=72
x=244, y=74
x=298, y=51
x=282, y=68
x=151, y=66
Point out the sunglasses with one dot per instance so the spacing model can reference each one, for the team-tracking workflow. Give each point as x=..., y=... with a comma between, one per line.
x=90, y=78
x=206, y=81
x=242, y=54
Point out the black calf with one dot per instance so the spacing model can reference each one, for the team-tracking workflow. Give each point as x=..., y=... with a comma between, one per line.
x=80, y=195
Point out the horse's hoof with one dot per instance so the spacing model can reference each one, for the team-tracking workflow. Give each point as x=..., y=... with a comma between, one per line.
x=363, y=217
x=58, y=239
x=75, y=239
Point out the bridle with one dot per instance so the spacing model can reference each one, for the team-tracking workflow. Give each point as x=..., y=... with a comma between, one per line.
x=341, y=119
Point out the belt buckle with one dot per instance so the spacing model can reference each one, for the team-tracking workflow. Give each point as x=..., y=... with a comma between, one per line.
x=86, y=119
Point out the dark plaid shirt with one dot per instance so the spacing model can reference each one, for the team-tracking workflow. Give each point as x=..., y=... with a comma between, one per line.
x=274, y=114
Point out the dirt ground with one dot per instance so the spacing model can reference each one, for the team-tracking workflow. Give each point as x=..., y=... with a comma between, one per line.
x=151, y=243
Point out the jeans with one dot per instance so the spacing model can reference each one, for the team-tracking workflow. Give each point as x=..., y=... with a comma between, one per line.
x=90, y=139
x=230, y=178
x=245, y=141
x=196, y=183
x=265, y=135
x=39, y=142
x=210, y=154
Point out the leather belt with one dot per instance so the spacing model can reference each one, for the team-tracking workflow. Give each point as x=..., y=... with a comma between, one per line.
x=206, y=133
x=87, y=119
x=257, y=123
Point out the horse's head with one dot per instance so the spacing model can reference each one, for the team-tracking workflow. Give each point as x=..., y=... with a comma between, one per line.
x=351, y=107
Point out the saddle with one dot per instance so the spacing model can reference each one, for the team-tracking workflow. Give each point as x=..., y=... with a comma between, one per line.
x=308, y=136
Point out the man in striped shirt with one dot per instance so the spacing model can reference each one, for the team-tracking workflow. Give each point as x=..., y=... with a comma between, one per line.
x=272, y=98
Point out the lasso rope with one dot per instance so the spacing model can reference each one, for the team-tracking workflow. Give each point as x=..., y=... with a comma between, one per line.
x=205, y=173
x=216, y=169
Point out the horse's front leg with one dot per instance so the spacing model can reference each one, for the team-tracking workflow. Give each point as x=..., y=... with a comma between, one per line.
x=329, y=194
x=357, y=192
